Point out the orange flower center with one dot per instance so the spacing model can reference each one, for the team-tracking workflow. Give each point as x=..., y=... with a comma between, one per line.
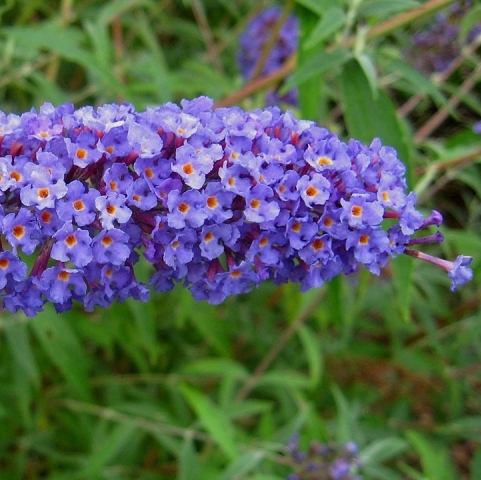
x=356, y=211
x=18, y=231
x=183, y=207
x=78, y=205
x=188, y=169
x=63, y=275
x=212, y=202
x=71, y=240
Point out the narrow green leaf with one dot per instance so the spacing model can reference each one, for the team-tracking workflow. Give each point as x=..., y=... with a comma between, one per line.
x=469, y=22
x=284, y=379
x=315, y=6
x=243, y=465
x=346, y=417
x=333, y=19
x=19, y=344
x=312, y=351
x=420, y=83
x=317, y=64
x=114, y=8
x=221, y=367
x=476, y=465
x=213, y=419
x=403, y=270
x=466, y=427
x=61, y=345
x=369, y=69
x=108, y=449
x=188, y=463
x=367, y=117
x=382, y=8
x=382, y=450
x=434, y=458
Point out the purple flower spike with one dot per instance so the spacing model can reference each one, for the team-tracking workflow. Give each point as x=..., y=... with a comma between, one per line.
x=219, y=200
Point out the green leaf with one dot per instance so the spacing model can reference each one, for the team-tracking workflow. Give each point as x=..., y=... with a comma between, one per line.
x=284, y=379
x=317, y=64
x=108, y=447
x=333, y=19
x=243, y=465
x=61, y=345
x=420, y=83
x=188, y=463
x=467, y=427
x=403, y=270
x=368, y=117
x=219, y=367
x=68, y=43
x=469, y=22
x=435, y=459
x=370, y=73
x=346, y=416
x=382, y=450
x=316, y=6
x=476, y=464
x=312, y=350
x=213, y=419
x=19, y=344
x=382, y=8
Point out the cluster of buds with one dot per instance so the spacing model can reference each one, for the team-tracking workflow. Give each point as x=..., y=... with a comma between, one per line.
x=219, y=200
x=437, y=46
x=262, y=33
x=324, y=461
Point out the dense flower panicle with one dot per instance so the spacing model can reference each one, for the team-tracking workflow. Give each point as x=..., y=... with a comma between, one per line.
x=324, y=461
x=257, y=35
x=217, y=199
x=437, y=46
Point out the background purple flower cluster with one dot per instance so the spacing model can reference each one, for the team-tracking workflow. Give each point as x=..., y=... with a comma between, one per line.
x=219, y=199
x=324, y=461
x=437, y=46
x=254, y=40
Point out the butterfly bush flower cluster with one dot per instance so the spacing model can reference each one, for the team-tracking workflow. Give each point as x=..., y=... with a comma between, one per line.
x=324, y=461
x=437, y=46
x=254, y=39
x=219, y=200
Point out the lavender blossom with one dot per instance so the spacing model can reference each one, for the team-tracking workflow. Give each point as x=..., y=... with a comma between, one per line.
x=253, y=40
x=219, y=200
x=324, y=461
x=438, y=45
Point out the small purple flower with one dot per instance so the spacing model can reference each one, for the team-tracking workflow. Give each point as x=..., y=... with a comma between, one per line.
x=459, y=272
x=212, y=239
x=72, y=244
x=78, y=204
x=186, y=209
x=21, y=231
x=180, y=250
x=144, y=141
x=112, y=209
x=314, y=189
x=59, y=284
x=40, y=192
x=359, y=211
x=260, y=204
x=12, y=269
x=193, y=164
x=84, y=149
x=111, y=246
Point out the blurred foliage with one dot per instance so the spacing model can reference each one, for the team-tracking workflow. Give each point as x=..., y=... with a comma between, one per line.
x=180, y=389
